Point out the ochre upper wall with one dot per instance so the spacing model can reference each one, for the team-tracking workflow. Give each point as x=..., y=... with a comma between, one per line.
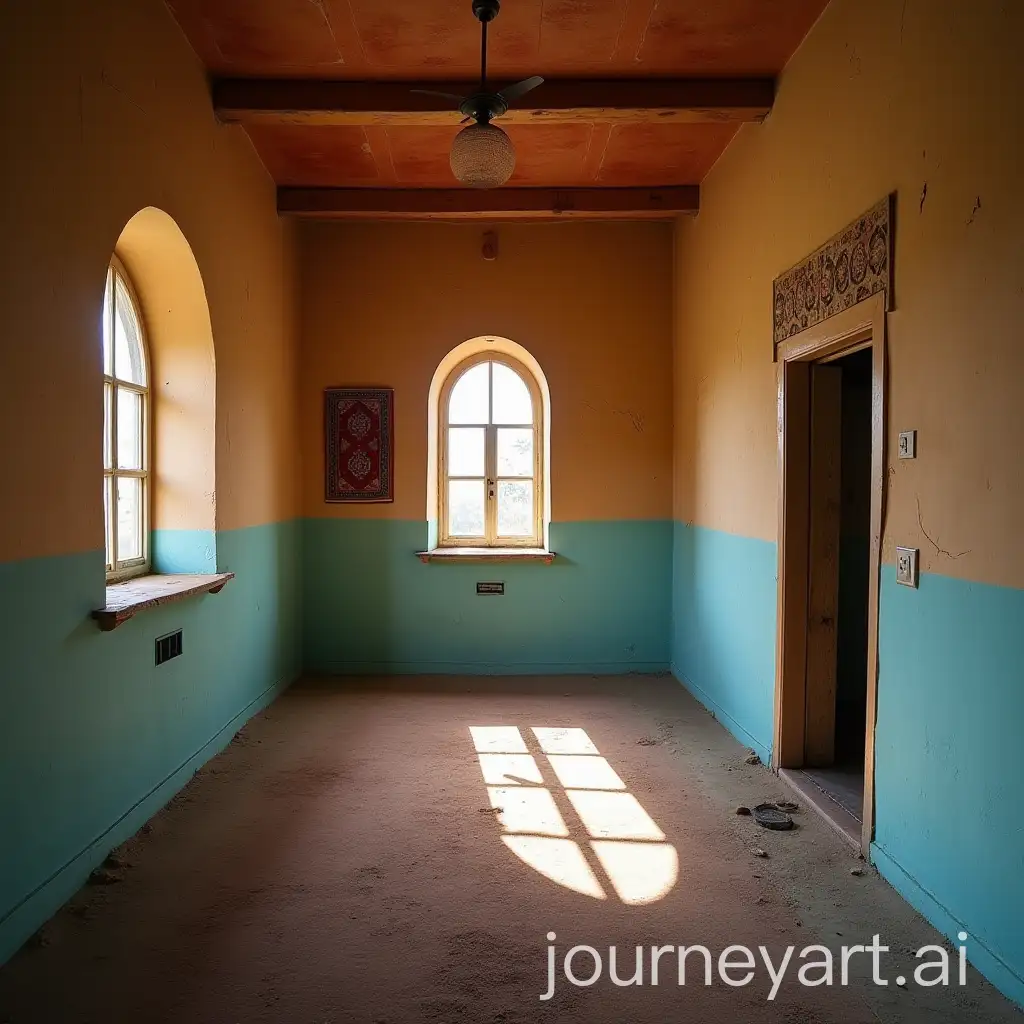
x=106, y=111
x=925, y=99
x=383, y=303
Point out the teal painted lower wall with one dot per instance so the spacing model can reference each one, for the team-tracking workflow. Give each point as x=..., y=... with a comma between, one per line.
x=370, y=606
x=723, y=628
x=948, y=777
x=948, y=833
x=94, y=738
x=184, y=551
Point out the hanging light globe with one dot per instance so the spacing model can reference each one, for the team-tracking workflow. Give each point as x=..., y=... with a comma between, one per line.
x=482, y=156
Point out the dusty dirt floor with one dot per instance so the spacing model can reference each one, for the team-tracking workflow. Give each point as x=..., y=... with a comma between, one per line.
x=342, y=860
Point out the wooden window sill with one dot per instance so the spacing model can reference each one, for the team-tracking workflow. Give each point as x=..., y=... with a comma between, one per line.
x=144, y=592
x=487, y=555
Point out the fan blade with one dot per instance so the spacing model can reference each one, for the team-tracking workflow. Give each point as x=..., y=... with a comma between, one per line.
x=434, y=92
x=513, y=92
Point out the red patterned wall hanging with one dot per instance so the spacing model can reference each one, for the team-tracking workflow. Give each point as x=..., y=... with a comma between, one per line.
x=359, y=424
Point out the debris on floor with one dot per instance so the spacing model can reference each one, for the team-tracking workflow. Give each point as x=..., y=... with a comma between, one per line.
x=388, y=863
x=742, y=810
x=856, y=872
x=103, y=876
x=769, y=816
x=648, y=741
x=752, y=758
x=38, y=940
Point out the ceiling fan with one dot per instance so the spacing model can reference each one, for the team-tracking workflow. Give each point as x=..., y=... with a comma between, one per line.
x=482, y=155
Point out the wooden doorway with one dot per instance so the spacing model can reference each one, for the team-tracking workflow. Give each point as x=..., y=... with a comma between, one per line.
x=811, y=367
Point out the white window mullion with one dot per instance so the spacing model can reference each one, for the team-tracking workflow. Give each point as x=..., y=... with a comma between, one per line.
x=491, y=484
x=108, y=541
x=500, y=400
x=114, y=553
x=490, y=464
x=113, y=482
x=126, y=323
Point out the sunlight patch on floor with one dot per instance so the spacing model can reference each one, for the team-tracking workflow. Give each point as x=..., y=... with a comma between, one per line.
x=527, y=809
x=498, y=739
x=584, y=772
x=561, y=860
x=564, y=741
x=510, y=769
x=639, y=872
x=616, y=837
x=613, y=815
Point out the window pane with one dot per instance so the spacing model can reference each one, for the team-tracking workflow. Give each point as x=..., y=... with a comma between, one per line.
x=466, y=508
x=515, y=508
x=468, y=401
x=515, y=452
x=129, y=429
x=128, y=359
x=129, y=518
x=466, y=451
x=107, y=484
x=107, y=327
x=512, y=402
x=107, y=426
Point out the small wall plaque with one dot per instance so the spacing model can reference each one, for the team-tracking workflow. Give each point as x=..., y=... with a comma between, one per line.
x=490, y=588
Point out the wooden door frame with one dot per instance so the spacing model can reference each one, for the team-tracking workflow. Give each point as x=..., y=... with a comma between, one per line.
x=859, y=327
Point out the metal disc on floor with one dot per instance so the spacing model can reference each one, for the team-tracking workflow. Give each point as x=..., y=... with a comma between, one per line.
x=769, y=816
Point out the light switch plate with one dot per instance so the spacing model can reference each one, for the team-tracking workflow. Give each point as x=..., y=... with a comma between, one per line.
x=908, y=444
x=906, y=566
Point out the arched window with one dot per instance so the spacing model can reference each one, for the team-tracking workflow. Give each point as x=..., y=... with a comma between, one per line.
x=126, y=429
x=491, y=477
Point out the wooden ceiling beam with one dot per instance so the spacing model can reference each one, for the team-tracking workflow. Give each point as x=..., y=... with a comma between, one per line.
x=596, y=101
x=493, y=204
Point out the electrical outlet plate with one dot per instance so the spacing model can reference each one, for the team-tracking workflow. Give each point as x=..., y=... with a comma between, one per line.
x=908, y=444
x=906, y=566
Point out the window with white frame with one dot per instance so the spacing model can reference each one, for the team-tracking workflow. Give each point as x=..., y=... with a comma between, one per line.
x=126, y=412
x=491, y=473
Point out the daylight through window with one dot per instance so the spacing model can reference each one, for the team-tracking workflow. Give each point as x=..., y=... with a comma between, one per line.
x=491, y=456
x=125, y=429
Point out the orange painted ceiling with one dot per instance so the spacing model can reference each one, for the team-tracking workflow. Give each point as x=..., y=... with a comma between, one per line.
x=424, y=40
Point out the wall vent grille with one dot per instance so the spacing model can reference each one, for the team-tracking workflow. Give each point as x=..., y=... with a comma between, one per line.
x=168, y=646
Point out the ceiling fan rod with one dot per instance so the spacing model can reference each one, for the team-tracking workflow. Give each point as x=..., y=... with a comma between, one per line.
x=485, y=11
x=483, y=57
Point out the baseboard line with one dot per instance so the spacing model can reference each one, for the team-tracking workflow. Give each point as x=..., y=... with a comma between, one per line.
x=725, y=718
x=77, y=868
x=452, y=668
x=981, y=956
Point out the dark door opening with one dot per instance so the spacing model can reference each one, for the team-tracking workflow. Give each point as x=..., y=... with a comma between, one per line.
x=838, y=583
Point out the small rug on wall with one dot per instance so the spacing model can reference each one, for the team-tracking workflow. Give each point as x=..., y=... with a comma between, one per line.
x=359, y=432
